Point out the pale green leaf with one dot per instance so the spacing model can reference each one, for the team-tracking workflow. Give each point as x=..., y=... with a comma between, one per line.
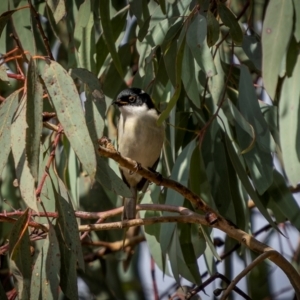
x=196, y=40
x=3, y=74
x=45, y=274
x=289, y=124
x=213, y=29
x=18, y=136
x=7, y=110
x=252, y=47
x=297, y=20
x=58, y=9
x=66, y=101
x=276, y=34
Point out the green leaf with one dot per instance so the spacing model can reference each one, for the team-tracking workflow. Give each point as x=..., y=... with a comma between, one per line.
x=196, y=40
x=18, y=136
x=109, y=179
x=189, y=76
x=159, y=32
x=108, y=34
x=231, y=22
x=246, y=183
x=213, y=29
x=297, y=20
x=283, y=200
x=67, y=104
x=289, y=124
x=4, y=18
x=180, y=173
x=45, y=274
x=7, y=110
x=3, y=74
x=175, y=254
x=66, y=229
x=34, y=117
x=276, y=34
x=20, y=258
x=252, y=47
x=58, y=9
x=259, y=159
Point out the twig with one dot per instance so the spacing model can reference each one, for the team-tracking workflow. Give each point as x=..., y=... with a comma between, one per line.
x=253, y=264
x=40, y=28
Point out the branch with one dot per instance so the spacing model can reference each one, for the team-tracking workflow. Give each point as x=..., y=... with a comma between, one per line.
x=106, y=149
x=253, y=264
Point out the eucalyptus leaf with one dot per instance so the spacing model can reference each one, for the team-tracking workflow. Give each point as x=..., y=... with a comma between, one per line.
x=66, y=101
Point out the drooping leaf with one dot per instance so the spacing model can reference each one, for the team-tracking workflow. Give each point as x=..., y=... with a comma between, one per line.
x=4, y=18
x=3, y=74
x=289, y=124
x=252, y=47
x=180, y=173
x=213, y=29
x=245, y=181
x=20, y=258
x=196, y=40
x=65, y=99
x=7, y=110
x=66, y=229
x=45, y=274
x=276, y=33
x=18, y=145
x=33, y=117
x=231, y=22
x=108, y=34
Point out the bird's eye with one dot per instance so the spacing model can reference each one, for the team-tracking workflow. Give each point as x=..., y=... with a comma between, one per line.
x=131, y=98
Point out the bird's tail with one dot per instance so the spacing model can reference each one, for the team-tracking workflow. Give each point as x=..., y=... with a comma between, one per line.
x=129, y=211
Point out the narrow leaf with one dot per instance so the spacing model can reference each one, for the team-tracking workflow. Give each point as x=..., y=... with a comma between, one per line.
x=45, y=274
x=230, y=21
x=7, y=110
x=108, y=34
x=33, y=117
x=18, y=145
x=66, y=101
x=19, y=250
x=3, y=74
x=297, y=20
x=58, y=9
x=289, y=124
x=276, y=33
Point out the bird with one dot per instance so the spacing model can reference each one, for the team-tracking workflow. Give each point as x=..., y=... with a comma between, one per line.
x=139, y=138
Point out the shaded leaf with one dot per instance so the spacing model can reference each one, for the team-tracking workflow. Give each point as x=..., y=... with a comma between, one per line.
x=246, y=183
x=213, y=29
x=45, y=274
x=20, y=258
x=289, y=109
x=180, y=173
x=18, y=145
x=7, y=110
x=4, y=18
x=276, y=33
x=297, y=20
x=252, y=47
x=2, y=292
x=34, y=117
x=231, y=22
x=108, y=34
x=64, y=96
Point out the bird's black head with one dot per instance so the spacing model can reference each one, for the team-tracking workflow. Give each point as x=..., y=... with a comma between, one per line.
x=134, y=97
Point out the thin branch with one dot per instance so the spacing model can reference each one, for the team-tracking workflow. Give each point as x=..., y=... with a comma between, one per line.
x=253, y=264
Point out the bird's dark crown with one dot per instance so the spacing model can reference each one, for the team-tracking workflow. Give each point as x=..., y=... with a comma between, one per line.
x=134, y=97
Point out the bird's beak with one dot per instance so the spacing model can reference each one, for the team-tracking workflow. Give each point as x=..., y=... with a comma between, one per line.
x=119, y=102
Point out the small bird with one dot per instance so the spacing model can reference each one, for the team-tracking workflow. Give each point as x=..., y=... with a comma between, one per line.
x=139, y=138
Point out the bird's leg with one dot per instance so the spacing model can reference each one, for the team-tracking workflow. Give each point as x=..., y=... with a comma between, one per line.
x=137, y=167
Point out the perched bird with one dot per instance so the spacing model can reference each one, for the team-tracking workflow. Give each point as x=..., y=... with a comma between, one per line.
x=139, y=138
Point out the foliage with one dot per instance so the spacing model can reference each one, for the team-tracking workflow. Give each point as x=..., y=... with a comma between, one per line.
x=229, y=95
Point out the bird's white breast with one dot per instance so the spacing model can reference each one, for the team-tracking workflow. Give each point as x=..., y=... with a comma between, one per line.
x=139, y=138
